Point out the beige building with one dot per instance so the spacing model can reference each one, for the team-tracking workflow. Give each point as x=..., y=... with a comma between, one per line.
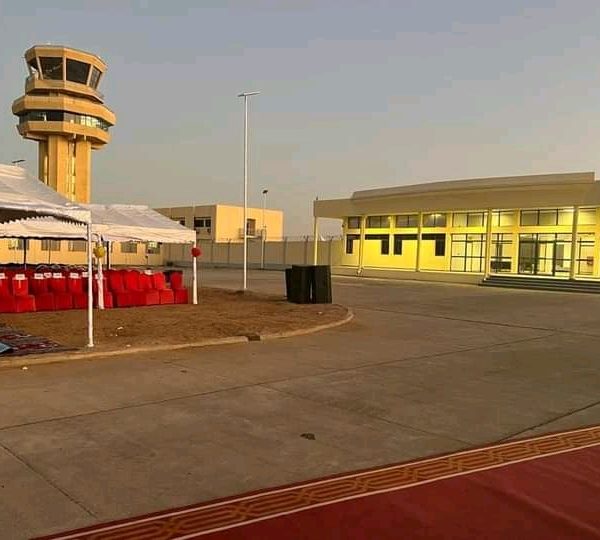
x=223, y=223
x=539, y=226
x=63, y=110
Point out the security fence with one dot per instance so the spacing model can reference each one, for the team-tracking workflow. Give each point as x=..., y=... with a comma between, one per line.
x=261, y=254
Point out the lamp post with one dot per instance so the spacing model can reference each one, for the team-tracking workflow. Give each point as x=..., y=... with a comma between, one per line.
x=246, y=95
x=264, y=229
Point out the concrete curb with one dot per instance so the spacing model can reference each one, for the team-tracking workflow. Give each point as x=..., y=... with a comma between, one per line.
x=51, y=358
x=313, y=329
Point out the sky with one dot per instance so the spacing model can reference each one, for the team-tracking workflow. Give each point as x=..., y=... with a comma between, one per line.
x=354, y=94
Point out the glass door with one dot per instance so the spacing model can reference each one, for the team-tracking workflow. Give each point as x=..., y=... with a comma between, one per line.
x=545, y=254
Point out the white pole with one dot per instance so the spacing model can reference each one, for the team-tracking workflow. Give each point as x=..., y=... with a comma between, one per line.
x=245, y=95
x=264, y=231
x=90, y=313
x=194, y=280
x=245, y=282
x=100, y=284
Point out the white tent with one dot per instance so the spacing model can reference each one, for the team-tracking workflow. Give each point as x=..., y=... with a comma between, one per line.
x=23, y=198
x=33, y=210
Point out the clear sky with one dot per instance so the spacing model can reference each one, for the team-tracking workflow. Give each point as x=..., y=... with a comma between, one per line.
x=355, y=94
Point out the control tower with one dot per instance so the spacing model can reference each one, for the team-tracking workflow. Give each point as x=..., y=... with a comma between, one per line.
x=63, y=110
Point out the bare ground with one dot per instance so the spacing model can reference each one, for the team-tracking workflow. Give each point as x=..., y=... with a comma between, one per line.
x=219, y=313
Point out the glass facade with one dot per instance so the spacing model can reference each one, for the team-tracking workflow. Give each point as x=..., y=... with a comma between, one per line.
x=535, y=242
x=62, y=116
x=468, y=253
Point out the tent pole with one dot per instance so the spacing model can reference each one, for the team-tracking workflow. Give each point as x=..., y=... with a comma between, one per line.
x=25, y=241
x=90, y=312
x=195, y=280
x=100, y=283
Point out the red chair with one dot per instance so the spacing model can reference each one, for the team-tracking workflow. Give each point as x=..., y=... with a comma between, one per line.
x=7, y=300
x=122, y=297
x=149, y=295
x=160, y=284
x=63, y=299
x=44, y=300
x=24, y=302
x=180, y=293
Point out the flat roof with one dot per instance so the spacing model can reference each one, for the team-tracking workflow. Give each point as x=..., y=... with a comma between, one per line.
x=538, y=180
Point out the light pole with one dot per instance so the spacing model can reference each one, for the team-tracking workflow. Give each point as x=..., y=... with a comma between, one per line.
x=264, y=229
x=246, y=95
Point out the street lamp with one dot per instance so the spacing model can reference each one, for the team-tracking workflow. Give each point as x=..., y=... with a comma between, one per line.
x=246, y=95
x=264, y=230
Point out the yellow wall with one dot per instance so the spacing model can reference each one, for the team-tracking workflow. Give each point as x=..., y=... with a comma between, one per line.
x=227, y=220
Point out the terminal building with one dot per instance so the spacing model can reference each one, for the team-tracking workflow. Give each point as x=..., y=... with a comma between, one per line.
x=538, y=226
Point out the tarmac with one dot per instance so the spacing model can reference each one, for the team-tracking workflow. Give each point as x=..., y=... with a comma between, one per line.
x=423, y=368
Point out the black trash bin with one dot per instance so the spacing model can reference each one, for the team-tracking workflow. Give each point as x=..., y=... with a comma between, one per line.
x=300, y=284
x=308, y=284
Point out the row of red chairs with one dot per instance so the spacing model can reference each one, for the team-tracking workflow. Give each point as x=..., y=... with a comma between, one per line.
x=49, y=291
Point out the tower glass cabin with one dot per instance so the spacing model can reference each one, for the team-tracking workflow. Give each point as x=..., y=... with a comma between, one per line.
x=63, y=110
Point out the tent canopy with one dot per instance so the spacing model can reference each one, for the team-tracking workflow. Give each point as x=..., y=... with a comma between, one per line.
x=23, y=197
x=122, y=222
x=31, y=209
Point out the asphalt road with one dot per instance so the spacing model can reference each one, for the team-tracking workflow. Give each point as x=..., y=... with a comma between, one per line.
x=424, y=368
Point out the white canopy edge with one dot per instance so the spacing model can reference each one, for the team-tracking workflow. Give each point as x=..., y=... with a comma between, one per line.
x=42, y=227
x=140, y=223
x=26, y=196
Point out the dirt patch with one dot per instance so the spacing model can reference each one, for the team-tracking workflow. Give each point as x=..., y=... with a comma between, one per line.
x=219, y=313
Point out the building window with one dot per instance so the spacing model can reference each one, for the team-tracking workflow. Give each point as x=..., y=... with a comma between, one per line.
x=501, y=256
x=467, y=253
x=585, y=254
x=153, y=248
x=468, y=219
x=434, y=220
x=18, y=244
x=399, y=239
x=544, y=254
x=407, y=221
x=440, y=243
x=202, y=223
x=378, y=222
x=587, y=216
x=33, y=68
x=384, y=239
x=77, y=71
x=128, y=247
x=354, y=222
x=251, y=227
x=95, y=77
x=350, y=238
x=547, y=217
x=503, y=218
x=61, y=116
x=77, y=245
x=52, y=68
x=180, y=220
x=50, y=245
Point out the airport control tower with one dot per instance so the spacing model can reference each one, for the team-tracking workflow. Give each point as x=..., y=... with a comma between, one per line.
x=63, y=110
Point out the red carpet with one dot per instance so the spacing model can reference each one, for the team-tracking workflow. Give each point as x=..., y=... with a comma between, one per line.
x=541, y=488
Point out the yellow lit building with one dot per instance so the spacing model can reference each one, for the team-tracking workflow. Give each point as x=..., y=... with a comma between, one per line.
x=223, y=223
x=537, y=226
x=64, y=112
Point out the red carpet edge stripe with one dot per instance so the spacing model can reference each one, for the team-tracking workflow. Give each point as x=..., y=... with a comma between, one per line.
x=198, y=520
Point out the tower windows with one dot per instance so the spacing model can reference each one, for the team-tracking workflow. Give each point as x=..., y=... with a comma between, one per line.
x=95, y=77
x=52, y=68
x=77, y=71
